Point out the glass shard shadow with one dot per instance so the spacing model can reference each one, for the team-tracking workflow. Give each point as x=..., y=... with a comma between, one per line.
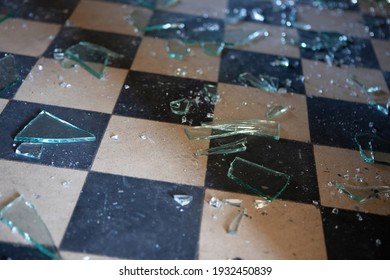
x=369, y=145
x=180, y=106
x=8, y=73
x=363, y=193
x=260, y=203
x=264, y=82
x=155, y=4
x=92, y=57
x=30, y=150
x=241, y=36
x=261, y=180
x=276, y=110
x=353, y=79
x=229, y=148
x=177, y=49
x=20, y=215
x=183, y=199
x=234, y=224
x=47, y=128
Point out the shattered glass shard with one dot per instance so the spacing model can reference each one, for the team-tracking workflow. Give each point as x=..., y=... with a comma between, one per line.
x=30, y=150
x=324, y=41
x=276, y=111
x=180, y=106
x=264, y=82
x=282, y=61
x=212, y=48
x=383, y=109
x=92, y=57
x=155, y=4
x=229, y=148
x=233, y=226
x=218, y=129
x=301, y=25
x=260, y=203
x=353, y=79
x=257, y=14
x=183, y=199
x=215, y=202
x=20, y=215
x=369, y=144
x=202, y=30
x=211, y=92
x=235, y=15
x=47, y=128
x=241, y=36
x=362, y=193
x=261, y=180
x=8, y=73
x=177, y=49
x=138, y=19
x=232, y=201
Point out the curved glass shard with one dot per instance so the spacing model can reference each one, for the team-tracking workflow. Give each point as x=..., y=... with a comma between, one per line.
x=30, y=150
x=233, y=226
x=177, y=49
x=211, y=92
x=368, y=145
x=180, y=106
x=229, y=148
x=47, y=128
x=138, y=19
x=8, y=73
x=362, y=193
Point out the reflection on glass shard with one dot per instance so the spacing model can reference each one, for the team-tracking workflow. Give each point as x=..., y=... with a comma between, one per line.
x=264, y=82
x=30, y=150
x=282, y=61
x=301, y=25
x=177, y=49
x=233, y=226
x=235, y=15
x=211, y=92
x=276, y=111
x=181, y=106
x=202, y=30
x=218, y=129
x=261, y=180
x=164, y=26
x=212, y=48
x=324, y=41
x=20, y=215
x=260, y=203
x=383, y=109
x=182, y=199
x=47, y=128
x=257, y=14
x=229, y=148
x=242, y=36
x=232, y=201
x=362, y=193
x=155, y=4
x=8, y=73
x=58, y=54
x=353, y=79
x=215, y=202
x=369, y=145
x=93, y=58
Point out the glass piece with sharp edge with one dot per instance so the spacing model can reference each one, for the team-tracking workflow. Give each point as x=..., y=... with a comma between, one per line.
x=20, y=215
x=138, y=19
x=325, y=41
x=201, y=30
x=264, y=82
x=92, y=57
x=235, y=15
x=211, y=92
x=301, y=25
x=261, y=180
x=155, y=4
x=362, y=193
x=215, y=202
x=229, y=148
x=180, y=106
x=232, y=201
x=381, y=108
x=369, y=145
x=47, y=128
x=212, y=48
x=260, y=203
x=177, y=49
x=233, y=226
x=30, y=150
x=353, y=79
x=8, y=73
x=183, y=199
x=218, y=129
x=241, y=36
x=276, y=111
x=282, y=61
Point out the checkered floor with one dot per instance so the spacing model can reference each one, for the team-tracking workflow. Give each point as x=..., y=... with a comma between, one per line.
x=113, y=198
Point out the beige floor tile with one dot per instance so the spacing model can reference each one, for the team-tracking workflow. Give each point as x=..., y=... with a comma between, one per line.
x=53, y=192
x=282, y=230
x=335, y=164
x=152, y=57
x=200, y=8
x=3, y=103
x=67, y=255
x=138, y=152
x=239, y=102
x=331, y=82
x=26, y=37
x=382, y=51
x=49, y=86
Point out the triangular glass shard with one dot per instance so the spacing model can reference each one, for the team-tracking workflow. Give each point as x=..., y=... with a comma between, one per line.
x=276, y=110
x=20, y=215
x=155, y=4
x=47, y=128
x=363, y=193
x=261, y=180
x=92, y=57
x=177, y=49
x=369, y=146
x=229, y=148
x=243, y=36
x=30, y=150
x=183, y=199
x=180, y=106
x=8, y=73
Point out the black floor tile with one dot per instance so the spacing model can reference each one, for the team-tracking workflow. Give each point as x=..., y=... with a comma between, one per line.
x=235, y=62
x=290, y=157
x=149, y=97
x=379, y=27
x=125, y=45
x=69, y=155
x=10, y=251
x=134, y=218
x=351, y=235
x=335, y=122
x=331, y=4
x=387, y=78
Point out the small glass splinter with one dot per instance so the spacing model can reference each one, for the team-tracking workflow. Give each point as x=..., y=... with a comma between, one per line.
x=47, y=128
x=368, y=145
x=233, y=226
x=215, y=202
x=229, y=148
x=261, y=180
x=276, y=111
x=20, y=215
x=30, y=150
x=180, y=106
x=264, y=82
x=232, y=201
x=182, y=199
x=8, y=73
x=362, y=193
x=177, y=49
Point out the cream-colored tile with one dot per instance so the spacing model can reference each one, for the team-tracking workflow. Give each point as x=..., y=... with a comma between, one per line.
x=3, y=103
x=152, y=57
x=49, y=86
x=282, y=230
x=26, y=37
x=200, y=8
x=251, y=103
x=138, y=152
x=342, y=165
x=67, y=255
x=53, y=191
x=331, y=82
x=382, y=51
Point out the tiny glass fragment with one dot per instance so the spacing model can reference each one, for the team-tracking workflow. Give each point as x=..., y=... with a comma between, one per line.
x=282, y=61
x=362, y=193
x=30, y=150
x=369, y=145
x=353, y=79
x=177, y=49
x=235, y=15
x=155, y=4
x=47, y=128
x=180, y=106
x=182, y=199
x=261, y=180
x=276, y=110
x=20, y=215
x=241, y=36
x=264, y=82
x=260, y=203
x=229, y=148
x=232, y=201
x=233, y=226
x=383, y=109
x=215, y=202
x=8, y=73
x=58, y=54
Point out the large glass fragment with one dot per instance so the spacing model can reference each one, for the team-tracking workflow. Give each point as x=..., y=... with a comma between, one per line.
x=276, y=110
x=183, y=199
x=30, y=150
x=369, y=146
x=177, y=49
x=328, y=41
x=218, y=129
x=155, y=4
x=233, y=226
x=92, y=57
x=242, y=36
x=261, y=180
x=21, y=216
x=384, y=109
x=8, y=73
x=264, y=82
x=180, y=106
x=229, y=148
x=47, y=128
x=363, y=193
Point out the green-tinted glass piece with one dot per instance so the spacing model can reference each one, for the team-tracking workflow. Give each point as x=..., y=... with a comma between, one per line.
x=233, y=226
x=383, y=109
x=20, y=215
x=213, y=48
x=218, y=129
x=92, y=57
x=47, y=128
x=229, y=148
x=155, y=4
x=261, y=180
x=138, y=19
x=276, y=110
x=211, y=92
x=368, y=147
x=8, y=73
x=235, y=15
x=180, y=106
x=30, y=150
x=264, y=82
x=362, y=193
x=241, y=36
x=177, y=49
